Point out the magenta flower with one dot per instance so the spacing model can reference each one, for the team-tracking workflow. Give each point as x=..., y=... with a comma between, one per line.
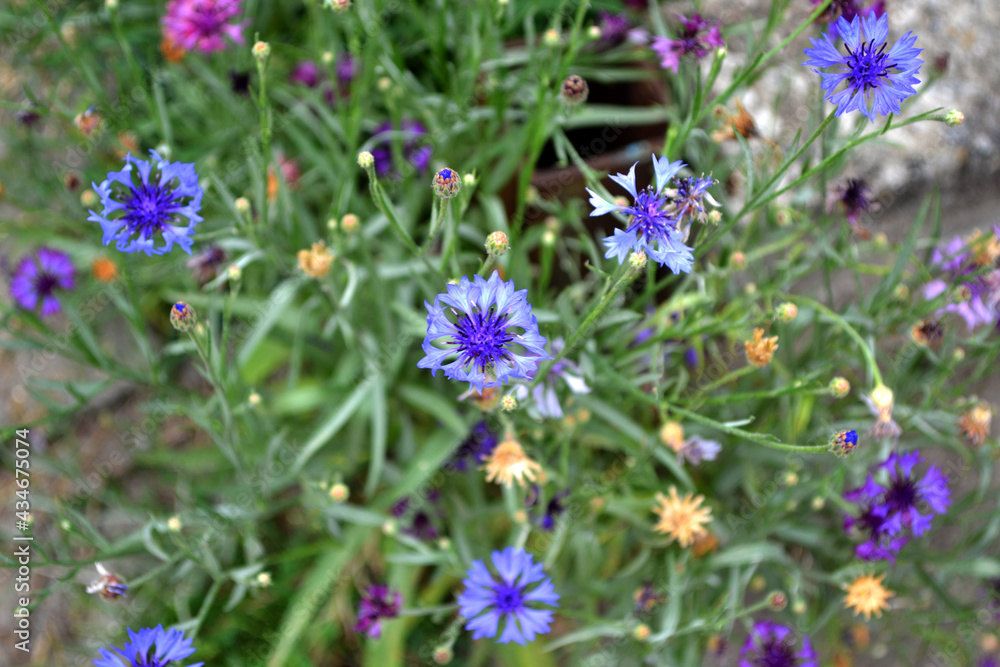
x=697, y=39
x=377, y=602
x=200, y=25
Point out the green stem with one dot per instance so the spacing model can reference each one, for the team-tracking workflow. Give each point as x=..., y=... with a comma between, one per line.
x=759, y=438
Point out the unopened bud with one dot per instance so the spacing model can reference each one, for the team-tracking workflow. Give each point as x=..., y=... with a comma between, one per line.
x=738, y=261
x=182, y=316
x=954, y=117
x=787, y=311
x=264, y=579
x=443, y=655
x=235, y=272
x=339, y=493
x=174, y=524
x=366, y=160
x=777, y=601
x=839, y=387
x=497, y=243
x=447, y=183
x=641, y=632
x=551, y=37
x=261, y=50
x=242, y=205
x=715, y=217
x=350, y=223
x=338, y=6
x=575, y=89
x=508, y=403
x=637, y=261
x=901, y=292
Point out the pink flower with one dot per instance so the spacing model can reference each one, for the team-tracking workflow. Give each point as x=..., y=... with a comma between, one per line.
x=690, y=41
x=200, y=25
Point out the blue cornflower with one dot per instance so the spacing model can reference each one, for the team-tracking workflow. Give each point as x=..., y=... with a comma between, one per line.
x=889, y=512
x=771, y=644
x=150, y=207
x=152, y=647
x=37, y=279
x=507, y=598
x=877, y=80
x=654, y=228
x=481, y=334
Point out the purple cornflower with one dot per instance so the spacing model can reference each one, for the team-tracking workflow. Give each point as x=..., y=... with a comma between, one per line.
x=37, y=278
x=697, y=449
x=987, y=661
x=614, y=28
x=202, y=24
x=960, y=259
x=889, y=512
x=486, y=600
x=377, y=602
x=205, y=265
x=474, y=450
x=487, y=330
x=152, y=647
x=545, y=401
x=771, y=644
x=553, y=508
x=877, y=80
x=693, y=40
x=688, y=199
x=305, y=73
x=414, y=150
x=654, y=227
x=150, y=207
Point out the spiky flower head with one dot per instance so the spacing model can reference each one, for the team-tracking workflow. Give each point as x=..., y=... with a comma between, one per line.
x=483, y=334
x=447, y=183
x=839, y=387
x=36, y=280
x=866, y=595
x=497, y=243
x=316, y=261
x=637, y=261
x=109, y=586
x=760, y=350
x=135, y=213
x=261, y=50
x=655, y=226
x=697, y=39
x=201, y=25
x=508, y=462
x=512, y=598
x=682, y=519
x=366, y=160
x=183, y=317
x=508, y=403
x=877, y=80
x=377, y=602
x=152, y=647
x=954, y=117
x=773, y=645
x=575, y=89
x=844, y=442
x=974, y=424
x=889, y=509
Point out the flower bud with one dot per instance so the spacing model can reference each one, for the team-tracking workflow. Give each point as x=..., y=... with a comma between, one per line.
x=777, y=600
x=787, y=311
x=339, y=492
x=551, y=37
x=901, y=292
x=715, y=217
x=443, y=655
x=447, y=183
x=327, y=58
x=637, y=261
x=844, y=442
x=672, y=435
x=738, y=261
x=839, y=387
x=235, y=272
x=242, y=205
x=339, y=6
x=366, y=160
x=88, y=198
x=253, y=399
x=349, y=223
x=497, y=243
x=575, y=89
x=182, y=316
x=760, y=350
x=954, y=117
x=261, y=50
x=264, y=579
x=174, y=524
x=641, y=632
x=508, y=403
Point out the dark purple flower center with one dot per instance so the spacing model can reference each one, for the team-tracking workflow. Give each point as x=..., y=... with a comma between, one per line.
x=649, y=220
x=507, y=599
x=855, y=197
x=776, y=653
x=45, y=284
x=868, y=65
x=901, y=496
x=481, y=339
x=209, y=20
x=149, y=209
